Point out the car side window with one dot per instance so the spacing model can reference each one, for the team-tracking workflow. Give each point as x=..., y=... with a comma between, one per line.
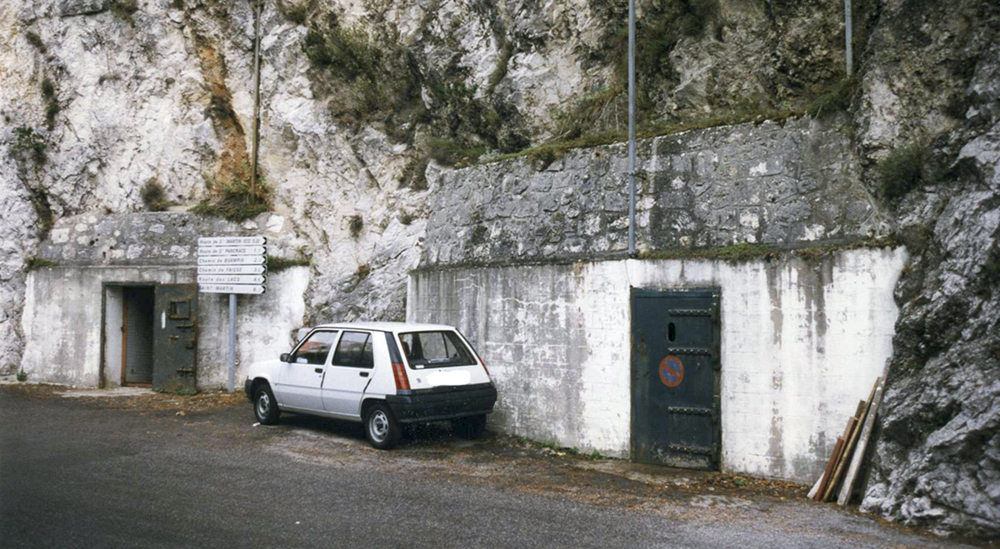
x=355, y=351
x=314, y=349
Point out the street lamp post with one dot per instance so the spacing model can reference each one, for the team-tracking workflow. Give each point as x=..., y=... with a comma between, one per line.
x=631, y=128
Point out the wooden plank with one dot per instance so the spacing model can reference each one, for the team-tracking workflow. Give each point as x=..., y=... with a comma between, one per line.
x=832, y=464
x=838, y=471
x=815, y=488
x=859, y=455
x=829, y=468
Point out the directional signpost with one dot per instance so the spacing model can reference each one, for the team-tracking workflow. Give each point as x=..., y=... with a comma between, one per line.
x=232, y=265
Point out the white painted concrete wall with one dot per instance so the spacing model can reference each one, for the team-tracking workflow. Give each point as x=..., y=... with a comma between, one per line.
x=263, y=327
x=802, y=342
x=62, y=322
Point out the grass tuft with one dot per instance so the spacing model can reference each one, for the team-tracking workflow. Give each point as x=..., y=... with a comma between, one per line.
x=902, y=171
x=48, y=89
x=737, y=253
x=836, y=99
x=28, y=142
x=543, y=155
x=734, y=253
x=355, y=224
x=278, y=264
x=33, y=263
x=35, y=41
x=294, y=12
x=452, y=152
x=234, y=200
x=155, y=197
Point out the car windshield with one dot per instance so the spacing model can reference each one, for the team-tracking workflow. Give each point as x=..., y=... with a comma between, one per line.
x=435, y=350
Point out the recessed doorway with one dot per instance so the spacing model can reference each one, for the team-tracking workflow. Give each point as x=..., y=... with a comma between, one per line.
x=150, y=335
x=137, y=336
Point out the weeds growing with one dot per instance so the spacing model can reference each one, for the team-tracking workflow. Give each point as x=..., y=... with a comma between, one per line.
x=155, y=197
x=902, y=171
x=234, y=200
x=31, y=144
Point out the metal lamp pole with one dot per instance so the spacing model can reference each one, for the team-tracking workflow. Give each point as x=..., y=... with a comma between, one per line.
x=631, y=128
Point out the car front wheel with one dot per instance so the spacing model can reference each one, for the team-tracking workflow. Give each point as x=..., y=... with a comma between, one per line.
x=381, y=428
x=264, y=405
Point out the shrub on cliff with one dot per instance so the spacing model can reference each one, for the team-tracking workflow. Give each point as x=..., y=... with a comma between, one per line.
x=902, y=171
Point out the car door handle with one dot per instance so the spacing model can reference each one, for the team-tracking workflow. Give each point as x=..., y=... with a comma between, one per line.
x=363, y=374
x=319, y=370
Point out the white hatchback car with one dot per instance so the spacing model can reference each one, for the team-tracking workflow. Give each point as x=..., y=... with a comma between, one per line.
x=381, y=373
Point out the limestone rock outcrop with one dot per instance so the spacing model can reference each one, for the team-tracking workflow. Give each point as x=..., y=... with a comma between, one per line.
x=932, y=82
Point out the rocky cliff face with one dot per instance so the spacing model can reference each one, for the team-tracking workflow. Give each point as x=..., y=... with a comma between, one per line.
x=929, y=119
x=364, y=105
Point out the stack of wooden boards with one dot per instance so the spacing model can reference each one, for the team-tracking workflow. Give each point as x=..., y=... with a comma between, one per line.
x=849, y=448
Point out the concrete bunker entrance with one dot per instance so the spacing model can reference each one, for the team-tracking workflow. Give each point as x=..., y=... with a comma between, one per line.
x=128, y=335
x=149, y=335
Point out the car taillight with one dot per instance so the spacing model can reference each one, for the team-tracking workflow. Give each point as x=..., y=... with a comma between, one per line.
x=487, y=370
x=399, y=372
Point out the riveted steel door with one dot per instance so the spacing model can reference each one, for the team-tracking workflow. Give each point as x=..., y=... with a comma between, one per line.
x=175, y=344
x=675, y=378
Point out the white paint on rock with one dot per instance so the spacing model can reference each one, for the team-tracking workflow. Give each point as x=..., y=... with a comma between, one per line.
x=802, y=342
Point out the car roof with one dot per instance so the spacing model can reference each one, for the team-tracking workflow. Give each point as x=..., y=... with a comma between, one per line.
x=396, y=327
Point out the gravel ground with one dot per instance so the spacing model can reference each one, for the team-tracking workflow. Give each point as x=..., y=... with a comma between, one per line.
x=151, y=470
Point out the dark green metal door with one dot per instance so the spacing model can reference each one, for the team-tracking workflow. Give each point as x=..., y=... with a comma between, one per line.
x=675, y=378
x=175, y=344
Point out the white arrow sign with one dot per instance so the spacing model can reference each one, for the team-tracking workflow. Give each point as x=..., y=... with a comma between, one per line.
x=232, y=260
x=232, y=270
x=230, y=289
x=231, y=250
x=230, y=279
x=232, y=241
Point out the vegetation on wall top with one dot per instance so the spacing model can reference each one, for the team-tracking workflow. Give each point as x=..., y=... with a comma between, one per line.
x=371, y=76
x=233, y=199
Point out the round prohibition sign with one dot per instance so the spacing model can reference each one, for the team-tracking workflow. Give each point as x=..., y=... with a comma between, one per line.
x=671, y=371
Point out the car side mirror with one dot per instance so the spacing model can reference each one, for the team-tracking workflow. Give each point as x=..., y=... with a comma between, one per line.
x=284, y=357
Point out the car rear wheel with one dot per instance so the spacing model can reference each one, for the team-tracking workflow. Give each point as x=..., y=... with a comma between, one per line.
x=381, y=428
x=472, y=427
x=265, y=407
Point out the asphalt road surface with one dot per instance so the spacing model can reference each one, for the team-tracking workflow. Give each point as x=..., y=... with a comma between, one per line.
x=88, y=472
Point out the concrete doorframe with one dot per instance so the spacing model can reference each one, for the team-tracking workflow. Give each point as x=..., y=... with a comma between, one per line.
x=112, y=355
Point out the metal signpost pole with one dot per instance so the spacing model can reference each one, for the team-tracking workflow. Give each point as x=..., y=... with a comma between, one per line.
x=848, y=32
x=232, y=265
x=631, y=128
x=231, y=385
x=256, y=97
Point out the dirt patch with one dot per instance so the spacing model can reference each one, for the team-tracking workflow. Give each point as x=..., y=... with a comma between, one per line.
x=150, y=401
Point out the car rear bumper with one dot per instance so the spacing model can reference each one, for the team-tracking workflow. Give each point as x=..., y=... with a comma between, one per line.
x=443, y=403
x=247, y=385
